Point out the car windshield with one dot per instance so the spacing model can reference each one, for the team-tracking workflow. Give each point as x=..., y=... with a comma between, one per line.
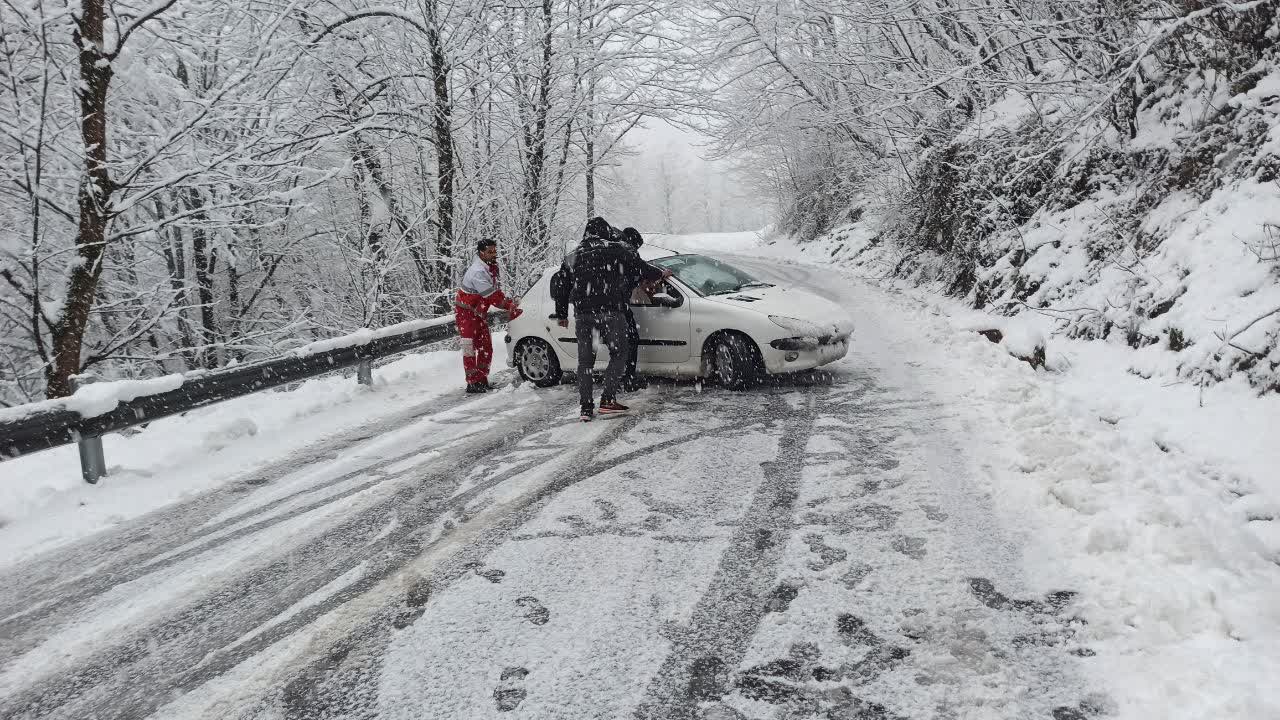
x=707, y=276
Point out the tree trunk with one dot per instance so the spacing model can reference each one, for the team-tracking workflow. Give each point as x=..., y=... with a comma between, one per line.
x=67, y=335
x=202, y=257
x=536, y=224
x=231, y=335
x=591, y=144
x=175, y=260
x=445, y=161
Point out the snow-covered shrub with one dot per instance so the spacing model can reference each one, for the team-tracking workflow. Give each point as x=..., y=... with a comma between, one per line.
x=826, y=181
x=1151, y=222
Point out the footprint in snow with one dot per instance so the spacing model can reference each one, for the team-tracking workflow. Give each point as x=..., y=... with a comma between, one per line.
x=853, y=631
x=534, y=611
x=1081, y=711
x=912, y=547
x=510, y=691
x=934, y=513
x=780, y=599
x=857, y=572
x=493, y=576
x=415, y=602
x=827, y=555
x=608, y=511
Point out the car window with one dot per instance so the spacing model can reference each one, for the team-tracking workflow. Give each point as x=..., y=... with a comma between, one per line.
x=707, y=276
x=641, y=298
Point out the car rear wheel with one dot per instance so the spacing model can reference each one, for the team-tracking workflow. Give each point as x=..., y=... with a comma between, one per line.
x=537, y=363
x=735, y=362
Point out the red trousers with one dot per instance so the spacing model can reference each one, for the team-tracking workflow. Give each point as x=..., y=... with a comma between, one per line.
x=477, y=346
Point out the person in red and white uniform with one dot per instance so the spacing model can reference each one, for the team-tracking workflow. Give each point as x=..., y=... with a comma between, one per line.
x=480, y=291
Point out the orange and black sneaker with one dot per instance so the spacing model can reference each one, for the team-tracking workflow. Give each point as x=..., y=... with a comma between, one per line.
x=612, y=407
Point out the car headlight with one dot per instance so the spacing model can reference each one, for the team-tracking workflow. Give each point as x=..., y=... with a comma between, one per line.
x=802, y=328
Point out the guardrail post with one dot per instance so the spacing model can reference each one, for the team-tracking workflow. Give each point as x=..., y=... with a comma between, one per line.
x=93, y=464
x=364, y=373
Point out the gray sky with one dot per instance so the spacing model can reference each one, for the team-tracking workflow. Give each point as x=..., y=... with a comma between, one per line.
x=667, y=185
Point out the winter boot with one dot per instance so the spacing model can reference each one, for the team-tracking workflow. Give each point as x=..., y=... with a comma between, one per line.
x=587, y=414
x=473, y=388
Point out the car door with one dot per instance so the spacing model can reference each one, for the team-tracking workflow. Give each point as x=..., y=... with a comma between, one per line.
x=565, y=338
x=664, y=331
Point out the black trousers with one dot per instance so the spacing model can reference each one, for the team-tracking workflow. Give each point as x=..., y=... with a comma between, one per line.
x=612, y=327
x=633, y=345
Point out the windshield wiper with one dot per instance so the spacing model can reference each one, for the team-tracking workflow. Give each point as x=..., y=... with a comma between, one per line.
x=754, y=283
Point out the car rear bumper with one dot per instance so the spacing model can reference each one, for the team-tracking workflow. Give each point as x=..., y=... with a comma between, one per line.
x=792, y=357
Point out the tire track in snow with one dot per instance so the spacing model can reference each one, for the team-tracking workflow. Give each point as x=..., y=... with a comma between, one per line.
x=199, y=641
x=726, y=617
x=341, y=684
x=39, y=598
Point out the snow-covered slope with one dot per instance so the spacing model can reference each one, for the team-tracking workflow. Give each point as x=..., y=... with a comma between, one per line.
x=1167, y=242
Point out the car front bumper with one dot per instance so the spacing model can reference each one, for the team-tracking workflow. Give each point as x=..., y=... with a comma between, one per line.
x=792, y=357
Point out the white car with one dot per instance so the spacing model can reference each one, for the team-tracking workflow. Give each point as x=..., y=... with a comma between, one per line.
x=708, y=320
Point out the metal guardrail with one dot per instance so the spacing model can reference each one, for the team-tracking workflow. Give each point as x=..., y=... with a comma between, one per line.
x=42, y=430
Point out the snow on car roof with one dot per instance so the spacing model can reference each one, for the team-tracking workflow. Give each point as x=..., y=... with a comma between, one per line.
x=653, y=252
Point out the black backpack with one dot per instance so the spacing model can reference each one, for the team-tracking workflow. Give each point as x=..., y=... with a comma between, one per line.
x=560, y=287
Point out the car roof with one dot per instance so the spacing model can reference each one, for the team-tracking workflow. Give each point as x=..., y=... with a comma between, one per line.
x=653, y=252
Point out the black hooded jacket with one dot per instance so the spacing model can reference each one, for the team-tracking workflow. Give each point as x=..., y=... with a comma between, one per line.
x=601, y=274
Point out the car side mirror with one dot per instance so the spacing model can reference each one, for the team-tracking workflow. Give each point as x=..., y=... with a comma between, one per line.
x=666, y=301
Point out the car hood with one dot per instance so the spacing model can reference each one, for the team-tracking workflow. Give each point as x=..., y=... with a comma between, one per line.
x=810, y=315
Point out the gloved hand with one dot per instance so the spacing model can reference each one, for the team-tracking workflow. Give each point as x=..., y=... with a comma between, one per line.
x=563, y=322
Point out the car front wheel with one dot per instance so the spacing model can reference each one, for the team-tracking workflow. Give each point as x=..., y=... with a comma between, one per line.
x=735, y=361
x=537, y=363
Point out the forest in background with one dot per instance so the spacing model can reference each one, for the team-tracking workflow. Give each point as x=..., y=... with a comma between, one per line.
x=190, y=183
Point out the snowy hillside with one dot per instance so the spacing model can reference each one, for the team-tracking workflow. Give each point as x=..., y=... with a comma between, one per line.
x=1150, y=244
x=1114, y=167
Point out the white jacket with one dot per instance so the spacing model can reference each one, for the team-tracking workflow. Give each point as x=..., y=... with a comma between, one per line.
x=478, y=280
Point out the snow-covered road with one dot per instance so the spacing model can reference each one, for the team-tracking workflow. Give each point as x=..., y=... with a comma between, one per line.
x=826, y=547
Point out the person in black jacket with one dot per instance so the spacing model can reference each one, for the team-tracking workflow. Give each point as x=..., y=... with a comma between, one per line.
x=631, y=380
x=601, y=274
